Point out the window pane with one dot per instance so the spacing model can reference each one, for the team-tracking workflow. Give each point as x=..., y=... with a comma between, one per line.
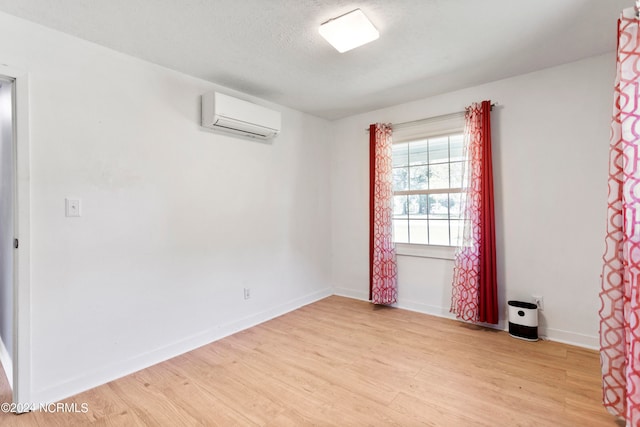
x=438, y=206
x=419, y=206
x=456, y=146
x=414, y=205
x=439, y=232
x=401, y=230
x=428, y=164
x=400, y=154
x=455, y=205
x=400, y=206
x=456, y=174
x=439, y=176
x=418, y=231
x=455, y=232
x=400, y=179
x=419, y=177
x=418, y=152
x=439, y=150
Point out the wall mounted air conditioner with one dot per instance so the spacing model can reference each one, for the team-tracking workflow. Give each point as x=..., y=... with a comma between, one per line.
x=231, y=115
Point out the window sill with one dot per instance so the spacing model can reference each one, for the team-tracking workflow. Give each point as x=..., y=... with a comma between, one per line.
x=426, y=251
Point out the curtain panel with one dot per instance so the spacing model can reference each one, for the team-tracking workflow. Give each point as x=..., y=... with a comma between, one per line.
x=474, y=290
x=620, y=293
x=383, y=272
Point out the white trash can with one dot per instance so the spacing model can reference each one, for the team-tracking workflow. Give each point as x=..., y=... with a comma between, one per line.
x=523, y=320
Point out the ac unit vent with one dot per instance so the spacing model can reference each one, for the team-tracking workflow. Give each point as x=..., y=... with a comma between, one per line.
x=231, y=115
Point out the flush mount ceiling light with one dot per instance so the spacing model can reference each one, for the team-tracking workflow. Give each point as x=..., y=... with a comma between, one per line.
x=349, y=31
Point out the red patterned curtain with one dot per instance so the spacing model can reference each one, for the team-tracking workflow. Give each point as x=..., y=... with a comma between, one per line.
x=383, y=273
x=474, y=294
x=620, y=294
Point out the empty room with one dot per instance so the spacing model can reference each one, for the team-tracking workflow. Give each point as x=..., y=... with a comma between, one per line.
x=287, y=213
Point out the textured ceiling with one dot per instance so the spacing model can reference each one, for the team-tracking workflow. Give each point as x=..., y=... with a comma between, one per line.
x=272, y=49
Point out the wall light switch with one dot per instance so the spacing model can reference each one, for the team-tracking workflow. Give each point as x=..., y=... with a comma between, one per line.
x=72, y=207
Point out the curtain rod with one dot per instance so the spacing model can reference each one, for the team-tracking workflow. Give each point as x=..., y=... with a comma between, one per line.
x=434, y=118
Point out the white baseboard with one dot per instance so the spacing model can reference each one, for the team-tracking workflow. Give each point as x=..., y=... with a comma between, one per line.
x=558, y=335
x=122, y=368
x=351, y=293
x=7, y=363
x=573, y=338
x=419, y=307
x=443, y=312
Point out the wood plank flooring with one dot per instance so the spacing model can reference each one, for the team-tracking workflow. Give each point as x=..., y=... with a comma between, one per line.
x=345, y=362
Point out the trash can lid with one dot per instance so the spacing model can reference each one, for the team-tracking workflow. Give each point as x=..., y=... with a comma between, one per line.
x=522, y=304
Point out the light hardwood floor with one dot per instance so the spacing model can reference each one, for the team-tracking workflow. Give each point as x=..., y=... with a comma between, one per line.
x=346, y=362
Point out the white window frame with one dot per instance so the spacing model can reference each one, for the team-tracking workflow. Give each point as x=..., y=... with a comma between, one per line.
x=422, y=129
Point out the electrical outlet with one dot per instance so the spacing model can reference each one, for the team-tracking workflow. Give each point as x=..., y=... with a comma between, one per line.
x=539, y=301
x=247, y=293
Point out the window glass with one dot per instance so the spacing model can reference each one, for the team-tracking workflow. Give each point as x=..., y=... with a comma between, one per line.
x=427, y=181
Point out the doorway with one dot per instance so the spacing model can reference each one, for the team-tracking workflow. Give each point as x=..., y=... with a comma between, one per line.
x=15, y=307
x=7, y=223
x=15, y=241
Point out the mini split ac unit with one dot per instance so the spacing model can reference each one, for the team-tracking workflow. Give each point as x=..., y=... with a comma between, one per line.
x=231, y=115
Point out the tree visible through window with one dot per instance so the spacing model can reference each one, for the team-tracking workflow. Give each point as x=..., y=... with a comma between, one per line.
x=427, y=184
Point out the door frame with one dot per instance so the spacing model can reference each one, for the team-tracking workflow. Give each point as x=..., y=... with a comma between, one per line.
x=22, y=260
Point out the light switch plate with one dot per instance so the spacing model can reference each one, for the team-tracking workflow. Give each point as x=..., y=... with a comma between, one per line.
x=72, y=207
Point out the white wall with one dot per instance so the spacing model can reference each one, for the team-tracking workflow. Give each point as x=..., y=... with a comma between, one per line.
x=7, y=184
x=176, y=220
x=550, y=140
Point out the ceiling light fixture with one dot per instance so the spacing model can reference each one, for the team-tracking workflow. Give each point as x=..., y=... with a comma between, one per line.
x=349, y=31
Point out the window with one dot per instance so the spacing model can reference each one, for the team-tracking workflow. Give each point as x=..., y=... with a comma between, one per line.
x=427, y=184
